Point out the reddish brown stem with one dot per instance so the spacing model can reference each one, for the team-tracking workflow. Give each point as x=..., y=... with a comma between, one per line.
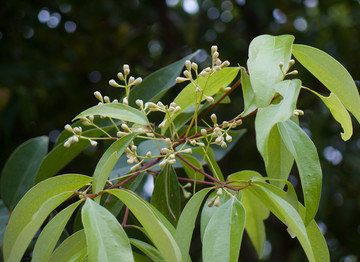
x=196, y=181
x=125, y=217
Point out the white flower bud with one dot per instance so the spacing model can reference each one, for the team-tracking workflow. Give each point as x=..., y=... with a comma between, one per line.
x=177, y=109
x=125, y=101
x=160, y=104
x=106, y=99
x=150, y=105
x=130, y=161
x=219, y=139
x=203, y=132
x=223, y=144
x=139, y=103
x=198, y=90
x=68, y=128
x=187, y=74
x=205, y=71
x=163, y=163
x=187, y=151
x=186, y=194
x=113, y=83
x=215, y=55
x=168, y=141
x=125, y=127
x=164, y=150
x=172, y=161
x=225, y=124
x=131, y=80
x=91, y=118
x=98, y=95
x=148, y=154
x=133, y=168
x=126, y=69
x=217, y=68
x=68, y=143
x=181, y=79
x=173, y=104
x=120, y=134
x=217, y=201
x=228, y=138
x=93, y=143
x=193, y=142
x=218, y=62
x=291, y=62
x=225, y=64
x=210, y=99
x=225, y=89
x=120, y=76
x=214, y=49
x=75, y=139
x=238, y=122
x=115, y=101
x=194, y=66
x=219, y=192
x=188, y=65
x=213, y=118
x=134, y=148
x=201, y=144
x=162, y=124
x=137, y=81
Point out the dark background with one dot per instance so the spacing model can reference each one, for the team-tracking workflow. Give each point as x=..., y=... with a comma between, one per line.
x=55, y=54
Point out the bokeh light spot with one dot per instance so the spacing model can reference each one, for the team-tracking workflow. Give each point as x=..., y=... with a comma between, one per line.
x=95, y=76
x=70, y=26
x=300, y=24
x=43, y=16
x=190, y=6
x=54, y=20
x=279, y=16
x=213, y=13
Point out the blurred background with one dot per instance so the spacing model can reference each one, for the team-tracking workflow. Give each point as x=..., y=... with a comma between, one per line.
x=55, y=54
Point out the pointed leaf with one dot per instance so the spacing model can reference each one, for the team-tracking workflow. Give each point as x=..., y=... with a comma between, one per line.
x=60, y=156
x=148, y=250
x=116, y=111
x=266, y=52
x=108, y=161
x=157, y=232
x=248, y=94
x=105, y=237
x=339, y=112
x=73, y=249
x=307, y=161
x=19, y=172
x=223, y=234
x=186, y=224
x=332, y=74
x=166, y=194
x=49, y=236
x=154, y=86
x=32, y=210
x=256, y=212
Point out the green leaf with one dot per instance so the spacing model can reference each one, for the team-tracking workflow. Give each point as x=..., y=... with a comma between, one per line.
x=105, y=237
x=116, y=111
x=190, y=172
x=157, y=232
x=223, y=234
x=266, y=52
x=256, y=212
x=18, y=174
x=108, y=161
x=154, y=86
x=51, y=233
x=166, y=194
x=4, y=218
x=186, y=224
x=60, y=156
x=73, y=249
x=148, y=250
x=285, y=212
x=212, y=85
x=339, y=112
x=32, y=210
x=332, y=74
x=307, y=161
x=248, y=94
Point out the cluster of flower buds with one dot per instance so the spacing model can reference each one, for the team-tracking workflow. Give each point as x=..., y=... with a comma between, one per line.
x=77, y=135
x=285, y=73
x=215, y=201
x=104, y=99
x=87, y=121
x=131, y=154
x=186, y=193
x=123, y=77
x=298, y=112
x=170, y=110
x=217, y=63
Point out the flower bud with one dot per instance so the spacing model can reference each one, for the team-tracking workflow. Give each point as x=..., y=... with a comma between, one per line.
x=131, y=80
x=126, y=69
x=115, y=101
x=214, y=49
x=172, y=161
x=163, y=163
x=106, y=99
x=148, y=154
x=68, y=142
x=120, y=76
x=98, y=95
x=137, y=81
x=120, y=134
x=228, y=138
x=139, y=103
x=181, y=79
x=203, y=132
x=68, y=128
x=125, y=101
x=194, y=66
x=168, y=141
x=113, y=83
x=188, y=65
x=93, y=143
x=210, y=99
x=187, y=151
x=213, y=118
x=187, y=74
x=223, y=144
x=225, y=64
x=217, y=201
x=75, y=139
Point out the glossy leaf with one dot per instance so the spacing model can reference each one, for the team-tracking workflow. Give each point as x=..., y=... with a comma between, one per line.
x=288, y=214
x=332, y=74
x=154, y=86
x=106, y=239
x=50, y=235
x=212, y=85
x=248, y=94
x=339, y=112
x=19, y=172
x=148, y=250
x=60, y=156
x=224, y=232
x=4, y=218
x=33, y=209
x=73, y=249
x=166, y=194
x=186, y=224
x=157, y=232
x=108, y=161
x=256, y=212
x=116, y=111
x=307, y=161
x=266, y=52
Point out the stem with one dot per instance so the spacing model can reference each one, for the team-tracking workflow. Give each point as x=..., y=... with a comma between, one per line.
x=196, y=181
x=125, y=217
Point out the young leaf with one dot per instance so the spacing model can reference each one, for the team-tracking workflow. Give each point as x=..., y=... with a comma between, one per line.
x=223, y=234
x=332, y=74
x=266, y=52
x=18, y=174
x=248, y=94
x=307, y=161
x=148, y=250
x=166, y=194
x=116, y=111
x=60, y=156
x=154, y=86
x=157, y=232
x=50, y=234
x=186, y=224
x=256, y=212
x=108, y=161
x=105, y=237
x=32, y=210
x=288, y=214
x=339, y=112
x=73, y=248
